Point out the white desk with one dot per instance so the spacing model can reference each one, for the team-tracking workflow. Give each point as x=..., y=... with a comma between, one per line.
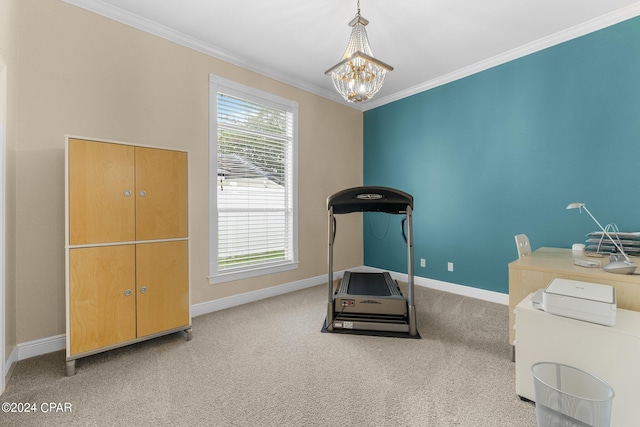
x=536, y=270
x=610, y=353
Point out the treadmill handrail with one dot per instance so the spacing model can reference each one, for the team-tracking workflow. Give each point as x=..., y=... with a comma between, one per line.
x=370, y=199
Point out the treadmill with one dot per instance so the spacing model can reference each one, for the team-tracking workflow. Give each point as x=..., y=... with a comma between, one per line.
x=364, y=302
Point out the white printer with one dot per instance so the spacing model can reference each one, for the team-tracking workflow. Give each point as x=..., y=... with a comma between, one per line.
x=590, y=302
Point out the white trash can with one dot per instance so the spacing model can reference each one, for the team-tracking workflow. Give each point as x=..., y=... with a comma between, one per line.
x=569, y=397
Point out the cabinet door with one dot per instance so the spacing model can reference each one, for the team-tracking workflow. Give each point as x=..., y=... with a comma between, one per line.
x=161, y=193
x=101, y=311
x=162, y=280
x=101, y=192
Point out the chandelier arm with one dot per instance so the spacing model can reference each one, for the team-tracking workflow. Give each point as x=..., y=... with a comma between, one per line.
x=358, y=76
x=359, y=54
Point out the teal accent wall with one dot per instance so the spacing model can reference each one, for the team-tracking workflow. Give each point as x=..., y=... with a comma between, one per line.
x=503, y=152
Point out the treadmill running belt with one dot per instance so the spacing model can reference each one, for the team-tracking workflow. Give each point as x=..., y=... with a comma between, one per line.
x=373, y=284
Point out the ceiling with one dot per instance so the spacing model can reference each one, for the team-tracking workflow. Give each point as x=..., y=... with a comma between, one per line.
x=428, y=42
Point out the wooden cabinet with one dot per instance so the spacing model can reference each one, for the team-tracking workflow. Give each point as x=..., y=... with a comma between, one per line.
x=124, y=193
x=101, y=193
x=127, y=245
x=102, y=309
x=161, y=186
x=162, y=285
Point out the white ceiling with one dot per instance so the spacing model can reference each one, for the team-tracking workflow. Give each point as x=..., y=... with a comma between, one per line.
x=428, y=42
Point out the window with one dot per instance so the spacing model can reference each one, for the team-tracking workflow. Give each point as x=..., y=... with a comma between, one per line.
x=252, y=182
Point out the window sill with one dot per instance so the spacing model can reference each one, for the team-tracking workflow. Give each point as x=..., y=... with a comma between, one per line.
x=258, y=271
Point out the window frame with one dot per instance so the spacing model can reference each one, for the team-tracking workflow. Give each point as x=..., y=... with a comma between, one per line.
x=219, y=84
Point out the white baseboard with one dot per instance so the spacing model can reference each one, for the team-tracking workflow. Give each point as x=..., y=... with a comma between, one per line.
x=247, y=297
x=55, y=343
x=235, y=300
x=41, y=346
x=13, y=358
x=31, y=349
x=467, y=291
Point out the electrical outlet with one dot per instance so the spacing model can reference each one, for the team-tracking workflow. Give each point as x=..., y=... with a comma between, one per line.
x=423, y=262
x=450, y=266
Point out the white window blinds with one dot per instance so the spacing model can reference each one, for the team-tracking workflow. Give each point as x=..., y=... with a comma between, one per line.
x=254, y=183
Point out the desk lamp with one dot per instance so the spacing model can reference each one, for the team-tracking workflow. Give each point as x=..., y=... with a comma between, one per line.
x=619, y=267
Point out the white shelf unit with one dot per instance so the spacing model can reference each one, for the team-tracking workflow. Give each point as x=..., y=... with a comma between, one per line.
x=612, y=353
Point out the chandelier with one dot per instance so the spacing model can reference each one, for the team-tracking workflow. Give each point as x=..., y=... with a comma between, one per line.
x=358, y=76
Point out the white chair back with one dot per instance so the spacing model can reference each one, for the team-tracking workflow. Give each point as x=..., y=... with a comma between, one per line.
x=522, y=244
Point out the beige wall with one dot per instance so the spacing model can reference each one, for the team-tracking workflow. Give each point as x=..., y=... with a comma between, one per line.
x=8, y=118
x=85, y=75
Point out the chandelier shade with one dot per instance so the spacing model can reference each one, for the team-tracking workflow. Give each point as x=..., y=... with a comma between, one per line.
x=358, y=76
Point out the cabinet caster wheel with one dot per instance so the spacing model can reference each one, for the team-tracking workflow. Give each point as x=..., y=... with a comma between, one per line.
x=71, y=368
x=189, y=333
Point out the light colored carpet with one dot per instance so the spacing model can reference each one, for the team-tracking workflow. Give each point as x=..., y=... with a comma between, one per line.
x=267, y=364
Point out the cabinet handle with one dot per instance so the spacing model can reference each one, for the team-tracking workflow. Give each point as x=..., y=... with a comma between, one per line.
x=143, y=289
x=142, y=193
x=127, y=193
x=127, y=293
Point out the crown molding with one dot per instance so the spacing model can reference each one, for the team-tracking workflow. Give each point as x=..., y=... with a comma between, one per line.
x=124, y=17
x=151, y=27
x=574, y=32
